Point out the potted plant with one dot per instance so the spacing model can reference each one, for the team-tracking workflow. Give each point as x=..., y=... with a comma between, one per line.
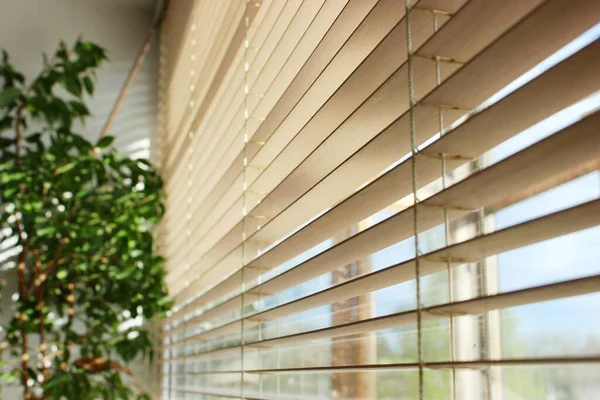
x=78, y=219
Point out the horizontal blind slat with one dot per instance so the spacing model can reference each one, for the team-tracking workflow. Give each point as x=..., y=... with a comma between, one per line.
x=537, y=294
x=560, y=223
x=528, y=29
x=577, y=144
x=540, y=161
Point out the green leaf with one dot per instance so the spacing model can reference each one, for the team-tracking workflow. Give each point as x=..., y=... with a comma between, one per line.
x=62, y=51
x=5, y=166
x=65, y=168
x=6, y=123
x=123, y=274
x=105, y=141
x=89, y=85
x=6, y=178
x=73, y=85
x=79, y=108
x=8, y=96
x=58, y=379
x=34, y=138
x=5, y=142
x=49, y=230
x=9, y=192
x=62, y=274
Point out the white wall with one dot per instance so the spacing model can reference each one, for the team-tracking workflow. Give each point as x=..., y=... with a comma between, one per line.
x=30, y=27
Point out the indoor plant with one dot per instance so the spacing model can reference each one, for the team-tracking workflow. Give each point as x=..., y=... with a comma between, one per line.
x=78, y=219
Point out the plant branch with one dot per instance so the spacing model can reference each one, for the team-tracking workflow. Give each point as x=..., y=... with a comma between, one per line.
x=21, y=261
x=71, y=316
x=139, y=60
x=41, y=316
x=25, y=354
x=55, y=262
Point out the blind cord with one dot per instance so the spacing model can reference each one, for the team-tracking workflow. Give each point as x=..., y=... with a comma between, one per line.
x=414, y=150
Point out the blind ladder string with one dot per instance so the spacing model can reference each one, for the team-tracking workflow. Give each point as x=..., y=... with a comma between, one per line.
x=414, y=150
x=244, y=190
x=447, y=238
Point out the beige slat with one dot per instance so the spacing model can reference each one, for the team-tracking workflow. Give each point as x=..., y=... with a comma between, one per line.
x=215, y=63
x=290, y=186
x=343, y=27
x=368, y=35
x=273, y=85
x=226, y=114
x=544, y=228
x=458, y=364
x=355, y=88
x=560, y=223
x=322, y=20
x=351, y=179
x=536, y=26
x=577, y=144
x=455, y=1
x=272, y=39
x=495, y=17
x=470, y=364
x=555, y=291
x=264, y=208
x=258, y=43
x=517, y=298
x=234, y=43
x=534, y=102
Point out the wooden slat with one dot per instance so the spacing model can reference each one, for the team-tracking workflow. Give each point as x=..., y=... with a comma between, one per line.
x=575, y=145
x=203, y=66
x=476, y=306
x=360, y=45
x=272, y=84
x=221, y=126
x=535, y=101
x=327, y=49
x=529, y=29
x=551, y=226
x=211, y=65
x=329, y=46
x=381, y=58
x=383, y=107
x=282, y=35
x=233, y=46
x=572, y=146
x=458, y=364
x=554, y=291
x=356, y=83
x=560, y=223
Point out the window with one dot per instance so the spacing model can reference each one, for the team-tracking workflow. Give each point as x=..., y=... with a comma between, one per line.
x=379, y=200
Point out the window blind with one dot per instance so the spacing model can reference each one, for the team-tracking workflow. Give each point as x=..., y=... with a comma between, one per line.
x=339, y=174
